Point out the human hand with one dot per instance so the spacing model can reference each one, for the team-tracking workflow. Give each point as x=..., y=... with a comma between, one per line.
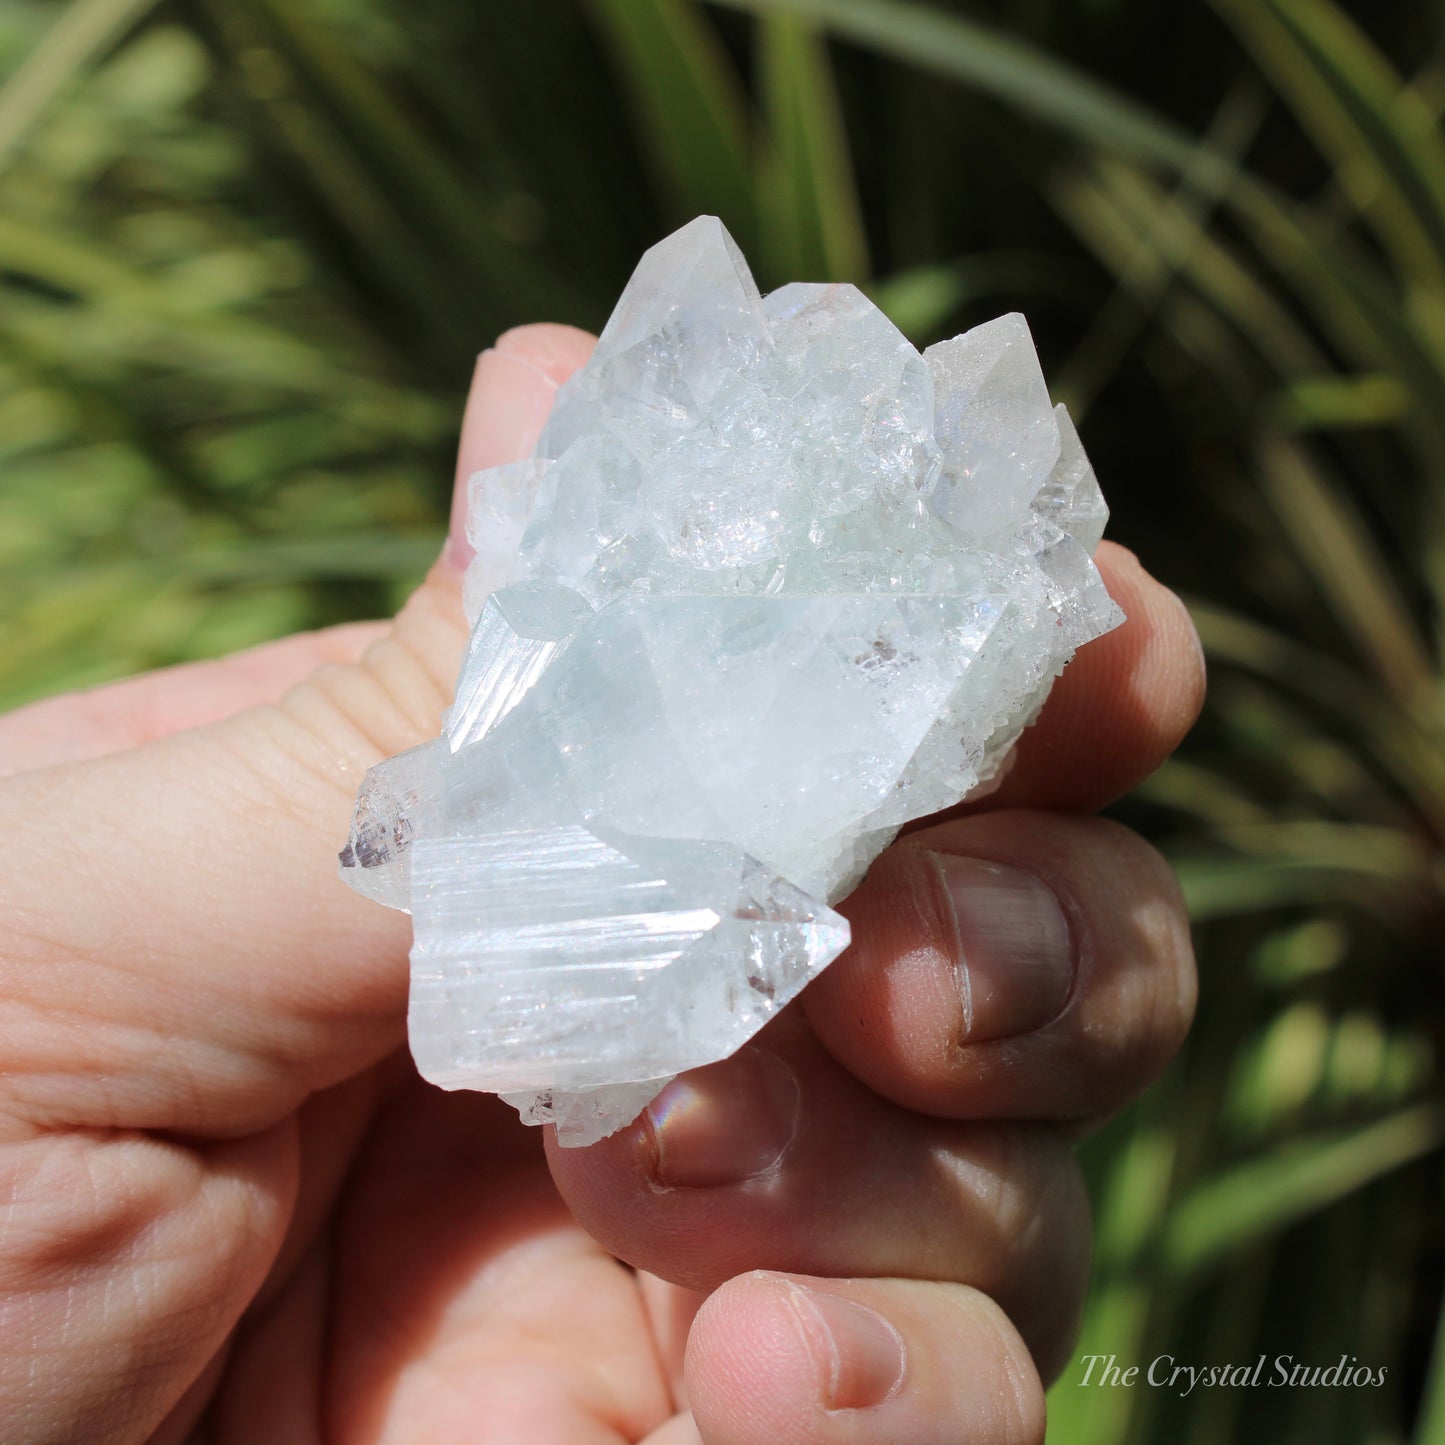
x=233, y=1213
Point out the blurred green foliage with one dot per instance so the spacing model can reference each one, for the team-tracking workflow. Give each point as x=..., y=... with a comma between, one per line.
x=248, y=249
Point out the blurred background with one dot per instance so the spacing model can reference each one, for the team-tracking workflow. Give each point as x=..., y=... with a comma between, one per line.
x=249, y=249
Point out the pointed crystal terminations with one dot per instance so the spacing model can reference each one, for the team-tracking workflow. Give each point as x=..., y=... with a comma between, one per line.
x=552, y=936
x=773, y=585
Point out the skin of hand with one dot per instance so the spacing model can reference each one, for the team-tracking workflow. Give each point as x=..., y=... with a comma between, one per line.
x=232, y=1213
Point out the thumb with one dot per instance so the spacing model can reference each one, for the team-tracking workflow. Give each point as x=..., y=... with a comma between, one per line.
x=396, y=695
x=179, y=952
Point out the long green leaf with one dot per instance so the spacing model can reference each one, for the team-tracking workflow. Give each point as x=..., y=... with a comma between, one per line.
x=921, y=300
x=1241, y=887
x=364, y=553
x=1339, y=403
x=1348, y=294
x=1135, y=1201
x=1007, y=68
x=1353, y=577
x=1116, y=208
x=1430, y=1424
x=1386, y=854
x=1360, y=113
x=1357, y=303
x=81, y=34
x=812, y=225
x=160, y=317
x=1145, y=277
x=408, y=181
x=1401, y=739
x=693, y=115
x=1149, y=237
x=1259, y=1198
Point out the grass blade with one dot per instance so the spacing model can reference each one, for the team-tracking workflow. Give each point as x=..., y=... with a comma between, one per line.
x=692, y=113
x=1340, y=403
x=812, y=225
x=82, y=33
x=405, y=178
x=1009, y=69
x=163, y=321
x=1135, y=1193
x=1217, y=887
x=921, y=300
x=1353, y=577
x=1345, y=290
x=1259, y=1198
x=1146, y=276
x=1378, y=132
x=1403, y=741
x=1430, y=1426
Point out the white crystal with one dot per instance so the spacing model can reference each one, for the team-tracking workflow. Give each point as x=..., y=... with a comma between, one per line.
x=773, y=585
x=694, y=943
x=499, y=506
x=1071, y=497
x=517, y=633
x=995, y=424
x=393, y=795
x=586, y=1115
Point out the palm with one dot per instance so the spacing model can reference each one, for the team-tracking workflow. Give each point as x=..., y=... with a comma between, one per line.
x=431, y=1283
x=447, y=1293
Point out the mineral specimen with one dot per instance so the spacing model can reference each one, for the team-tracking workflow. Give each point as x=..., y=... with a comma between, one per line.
x=773, y=584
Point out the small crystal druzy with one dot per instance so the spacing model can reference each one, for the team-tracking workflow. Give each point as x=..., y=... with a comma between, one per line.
x=773, y=585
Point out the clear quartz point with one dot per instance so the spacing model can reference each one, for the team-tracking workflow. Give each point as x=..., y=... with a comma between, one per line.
x=773, y=585
x=543, y=939
x=517, y=633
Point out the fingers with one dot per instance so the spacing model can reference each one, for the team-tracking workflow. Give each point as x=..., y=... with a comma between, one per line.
x=851, y=1362
x=465, y=1302
x=778, y=1158
x=1011, y=965
x=179, y=953
x=80, y=725
x=1119, y=709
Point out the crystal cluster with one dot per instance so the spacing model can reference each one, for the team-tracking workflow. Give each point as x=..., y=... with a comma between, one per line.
x=772, y=585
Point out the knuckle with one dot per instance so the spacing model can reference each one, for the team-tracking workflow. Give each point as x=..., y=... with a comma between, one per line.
x=1022, y=1185
x=393, y=697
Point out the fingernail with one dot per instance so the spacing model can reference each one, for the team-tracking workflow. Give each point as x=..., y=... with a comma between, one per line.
x=864, y=1352
x=506, y=410
x=1015, y=958
x=724, y=1124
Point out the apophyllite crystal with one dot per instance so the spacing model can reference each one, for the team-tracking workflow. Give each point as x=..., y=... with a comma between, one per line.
x=773, y=584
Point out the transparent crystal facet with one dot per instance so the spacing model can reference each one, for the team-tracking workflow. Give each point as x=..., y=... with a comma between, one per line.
x=995, y=426
x=542, y=940
x=393, y=798
x=517, y=633
x=773, y=585
x=499, y=506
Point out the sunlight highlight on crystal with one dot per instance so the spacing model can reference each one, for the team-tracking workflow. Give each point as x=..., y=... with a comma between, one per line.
x=773, y=585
